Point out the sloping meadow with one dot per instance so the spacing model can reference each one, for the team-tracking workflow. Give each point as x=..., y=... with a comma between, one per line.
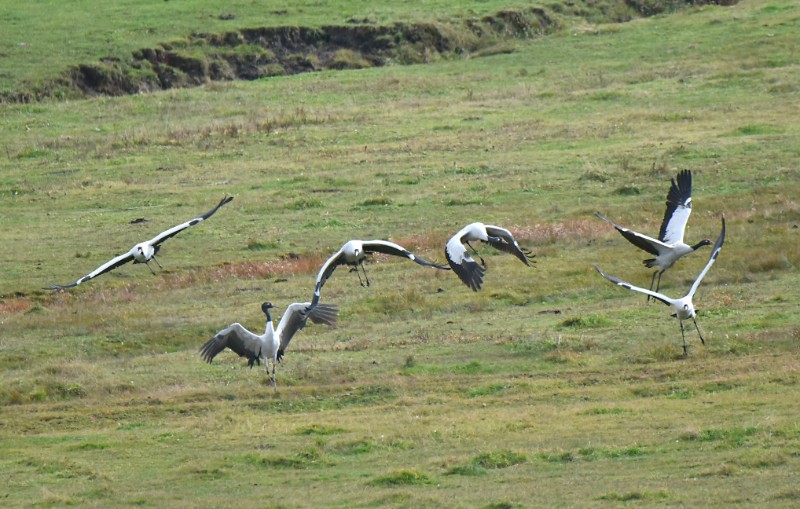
x=549, y=387
x=232, y=45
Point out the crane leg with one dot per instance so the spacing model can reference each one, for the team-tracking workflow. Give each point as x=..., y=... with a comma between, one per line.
x=683, y=335
x=483, y=262
x=159, y=263
x=271, y=376
x=149, y=267
x=698, y=331
x=653, y=283
x=366, y=277
x=358, y=273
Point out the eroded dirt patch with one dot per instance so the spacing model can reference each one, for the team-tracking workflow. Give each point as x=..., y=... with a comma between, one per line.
x=254, y=53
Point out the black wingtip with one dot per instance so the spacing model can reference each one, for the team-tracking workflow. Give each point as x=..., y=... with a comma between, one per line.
x=611, y=279
x=680, y=192
x=605, y=218
x=327, y=314
x=54, y=288
x=721, y=238
x=223, y=201
x=528, y=256
x=205, y=351
x=470, y=273
x=426, y=263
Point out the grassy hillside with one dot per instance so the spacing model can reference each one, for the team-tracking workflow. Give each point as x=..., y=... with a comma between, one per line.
x=550, y=387
x=67, y=51
x=41, y=39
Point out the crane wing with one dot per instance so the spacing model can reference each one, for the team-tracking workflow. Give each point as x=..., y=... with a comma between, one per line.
x=325, y=272
x=238, y=339
x=659, y=296
x=639, y=240
x=295, y=317
x=106, y=267
x=679, y=207
x=501, y=239
x=390, y=248
x=161, y=237
x=462, y=263
x=711, y=259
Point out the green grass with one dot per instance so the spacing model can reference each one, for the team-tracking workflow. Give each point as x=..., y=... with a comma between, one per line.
x=42, y=40
x=548, y=388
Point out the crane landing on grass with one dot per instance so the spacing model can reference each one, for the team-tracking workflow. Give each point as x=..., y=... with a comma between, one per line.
x=683, y=307
x=273, y=343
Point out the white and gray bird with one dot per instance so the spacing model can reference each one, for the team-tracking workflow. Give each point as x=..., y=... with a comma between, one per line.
x=142, y=252
x=354, y=252
x=683, y=307
x=669, y=247
x=273, y=343
x=462, y=263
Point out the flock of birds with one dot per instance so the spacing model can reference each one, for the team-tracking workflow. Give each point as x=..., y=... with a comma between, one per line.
x=668, y=248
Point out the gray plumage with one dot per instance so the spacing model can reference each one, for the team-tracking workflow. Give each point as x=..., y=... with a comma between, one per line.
x=273, y=343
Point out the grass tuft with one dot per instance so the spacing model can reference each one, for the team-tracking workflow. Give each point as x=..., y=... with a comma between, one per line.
x=316, y=429
x=469, y=469
x=373, y=202
x=628, y=191
x=587, y=322
x=501, y=505
x=354, y=448
x=499, y=459
x=405, y=477
x=298, y=461
x=730, y=438
x=488, y=390
x=635, y=495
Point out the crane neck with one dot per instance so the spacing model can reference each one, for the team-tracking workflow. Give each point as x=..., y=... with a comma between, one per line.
x=269, y=322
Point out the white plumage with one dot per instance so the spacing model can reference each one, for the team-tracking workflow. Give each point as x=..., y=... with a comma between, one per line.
x=683, y=307
x=143, y=252
x=669, y=247
x=354, y=253
x=462, y=263
x=273, y=343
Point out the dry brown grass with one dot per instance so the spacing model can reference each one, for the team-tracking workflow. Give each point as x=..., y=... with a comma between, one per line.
x=14, y=305
x=550, y=233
